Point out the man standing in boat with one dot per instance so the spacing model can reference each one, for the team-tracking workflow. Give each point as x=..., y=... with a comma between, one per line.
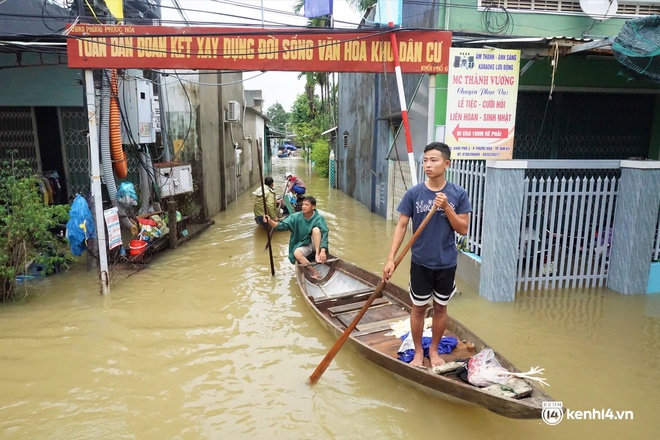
x=434, y=254
x=309, y=234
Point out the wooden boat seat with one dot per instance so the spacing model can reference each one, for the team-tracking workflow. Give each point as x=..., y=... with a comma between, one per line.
x=383, y=314
x=376, y=327
x=337, y=310
x=344, y=295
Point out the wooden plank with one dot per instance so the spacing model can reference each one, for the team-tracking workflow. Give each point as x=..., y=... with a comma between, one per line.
x=336, y=310
x=388, y=345
x=350, y=293
x=380, y=313
x=378, y=326
x=370, y=331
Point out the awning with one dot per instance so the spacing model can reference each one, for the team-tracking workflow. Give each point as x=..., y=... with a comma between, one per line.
x=329, y=130
x=535, y=47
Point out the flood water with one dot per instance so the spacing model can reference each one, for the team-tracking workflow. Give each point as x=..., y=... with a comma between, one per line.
x=206, y=344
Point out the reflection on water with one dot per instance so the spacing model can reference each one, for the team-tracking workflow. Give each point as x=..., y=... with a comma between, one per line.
x=205, y=343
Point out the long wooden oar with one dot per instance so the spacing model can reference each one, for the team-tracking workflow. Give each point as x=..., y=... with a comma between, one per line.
x=270, y=237
x=270, y=232
x=263, y=197
x=316, y=375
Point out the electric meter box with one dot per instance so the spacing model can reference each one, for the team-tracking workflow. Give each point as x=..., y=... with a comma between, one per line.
x=173, y=178
x=135, y=98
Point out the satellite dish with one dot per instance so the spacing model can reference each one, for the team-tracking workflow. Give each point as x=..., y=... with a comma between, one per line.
x=599, y=9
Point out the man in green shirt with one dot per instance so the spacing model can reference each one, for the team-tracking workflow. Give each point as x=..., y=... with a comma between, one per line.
x=309, y=234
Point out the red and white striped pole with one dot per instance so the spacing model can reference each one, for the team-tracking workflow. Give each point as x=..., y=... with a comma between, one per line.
x=402, y=103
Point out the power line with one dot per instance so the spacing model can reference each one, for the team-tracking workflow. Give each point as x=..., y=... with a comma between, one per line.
x=254, y=22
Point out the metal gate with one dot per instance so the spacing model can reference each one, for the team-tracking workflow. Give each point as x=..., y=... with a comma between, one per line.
x=74, y=128
x=18, y=139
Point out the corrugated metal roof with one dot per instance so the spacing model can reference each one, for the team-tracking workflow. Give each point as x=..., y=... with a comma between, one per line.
x=529, y=40
x=32, y=17
x=532, y=47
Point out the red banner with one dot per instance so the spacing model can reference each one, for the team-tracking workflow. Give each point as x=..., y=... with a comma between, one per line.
x=306, y=50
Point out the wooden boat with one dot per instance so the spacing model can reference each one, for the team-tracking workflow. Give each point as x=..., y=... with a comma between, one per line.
x=290, y=206
x=342, y=292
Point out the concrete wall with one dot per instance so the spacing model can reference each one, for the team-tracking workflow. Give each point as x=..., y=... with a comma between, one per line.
x=259, y=134
x=195, y=112
x=233, y=135
x=357, y=121
x=180, y=103
x=210, y=127
x=635, y=223
x=39, y=82
x=248, y=128
x=463, y=15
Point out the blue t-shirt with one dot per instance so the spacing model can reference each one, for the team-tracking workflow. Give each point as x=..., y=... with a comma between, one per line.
x=435, y=248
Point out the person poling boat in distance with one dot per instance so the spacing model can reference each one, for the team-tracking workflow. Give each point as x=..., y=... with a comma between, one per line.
x=272, y=203
x=434, y=254
x=309, y=235
x=295, y=184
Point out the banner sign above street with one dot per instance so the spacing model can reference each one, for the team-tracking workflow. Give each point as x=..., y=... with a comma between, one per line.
x=305, y=50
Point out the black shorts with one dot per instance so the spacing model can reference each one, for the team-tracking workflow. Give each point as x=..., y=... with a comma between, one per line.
x=428, y=283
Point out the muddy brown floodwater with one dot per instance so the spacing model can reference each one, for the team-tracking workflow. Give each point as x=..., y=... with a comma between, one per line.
x=205, y=344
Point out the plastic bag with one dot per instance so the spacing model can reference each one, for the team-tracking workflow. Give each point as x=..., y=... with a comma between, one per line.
x=126, y=194
x=484, y=369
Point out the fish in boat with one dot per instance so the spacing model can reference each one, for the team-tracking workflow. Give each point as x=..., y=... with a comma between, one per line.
x=341, y=292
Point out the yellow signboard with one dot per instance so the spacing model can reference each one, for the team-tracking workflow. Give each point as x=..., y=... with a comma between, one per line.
x=481, y=103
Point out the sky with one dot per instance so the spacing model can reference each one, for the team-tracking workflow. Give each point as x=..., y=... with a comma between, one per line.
x=282, y=87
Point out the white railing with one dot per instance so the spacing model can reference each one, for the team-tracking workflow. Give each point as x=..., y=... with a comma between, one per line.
x=566, y=222
x=471, y=175
x=566, y=232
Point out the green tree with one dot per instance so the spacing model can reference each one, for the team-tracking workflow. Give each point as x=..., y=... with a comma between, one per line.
x=320, y=155
x=24, y=226
x=328, y=103
x=361, y=5
x=311, y=115
x=278, y=116
x=307, y=133
x=300, y=110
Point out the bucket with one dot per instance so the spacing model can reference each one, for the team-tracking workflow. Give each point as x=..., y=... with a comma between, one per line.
x=136, y=247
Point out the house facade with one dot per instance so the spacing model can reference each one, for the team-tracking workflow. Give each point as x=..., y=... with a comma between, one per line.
x=213, y=123
x=43, y=118
x=575, y=102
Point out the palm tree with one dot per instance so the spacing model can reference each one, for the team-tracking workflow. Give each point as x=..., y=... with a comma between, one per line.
x=361, y=5
x=322, y=79
x=310, y=86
